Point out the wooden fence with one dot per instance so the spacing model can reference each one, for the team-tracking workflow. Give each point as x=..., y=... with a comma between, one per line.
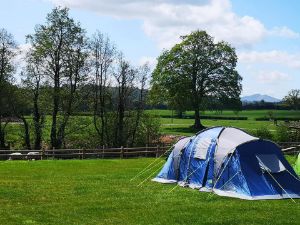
x=121, y=153
x=157, y=151
x=290, y=148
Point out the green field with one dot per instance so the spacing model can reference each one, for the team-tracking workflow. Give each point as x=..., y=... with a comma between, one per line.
x=183, y=126
x=100, y=192
x=81, y=128
x=251, y=114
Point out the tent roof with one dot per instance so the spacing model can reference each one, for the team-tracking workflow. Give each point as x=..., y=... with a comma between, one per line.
x=230, y=138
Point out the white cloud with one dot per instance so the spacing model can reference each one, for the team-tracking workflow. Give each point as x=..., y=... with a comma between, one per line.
x=284, y=32
x=151, y=61
x=272, y=77
x=271, y=57
x=166, y=20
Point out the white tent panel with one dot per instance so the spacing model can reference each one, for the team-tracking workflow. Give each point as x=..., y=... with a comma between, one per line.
x=202, y=146
x=181, y=144
x=229, y=139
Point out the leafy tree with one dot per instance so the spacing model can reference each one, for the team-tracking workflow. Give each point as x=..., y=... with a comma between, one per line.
x=33, y=81
x=125, y=76
x=20, y=106
x=8, y=49
x=142, y=77
x=61, y=46
x=293, y=99
x=195, y=70
x=102, y=55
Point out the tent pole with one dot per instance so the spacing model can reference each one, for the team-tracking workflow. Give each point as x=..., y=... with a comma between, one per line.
x=281, y=187
x=212, y=193
x=293, y=175
x=277, y=182
x=222, y=171
x=189, y=175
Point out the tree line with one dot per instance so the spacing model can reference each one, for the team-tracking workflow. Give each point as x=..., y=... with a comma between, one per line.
x=63, y=70
x=66, y=73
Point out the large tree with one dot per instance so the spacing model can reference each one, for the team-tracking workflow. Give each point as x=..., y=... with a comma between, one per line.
x=293, y=99
x=61, y=45
x=7, y=53
x=195, y=70
x=20, y=107
x=102, y=56
x=125, y=76
x=33, y=81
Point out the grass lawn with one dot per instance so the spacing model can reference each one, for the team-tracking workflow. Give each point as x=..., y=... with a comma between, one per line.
x=251, y=114
x=100, y=192
x=81, y=128
x=183, y=126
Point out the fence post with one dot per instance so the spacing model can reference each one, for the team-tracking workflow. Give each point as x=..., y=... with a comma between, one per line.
x=122, y=152
x=103, y=151
x=53, y=149
x=157, y=151
x=83, y=151
x=42, y=153
x=146, y=150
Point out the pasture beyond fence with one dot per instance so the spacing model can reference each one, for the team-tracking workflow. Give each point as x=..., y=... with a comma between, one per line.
x=290, y=148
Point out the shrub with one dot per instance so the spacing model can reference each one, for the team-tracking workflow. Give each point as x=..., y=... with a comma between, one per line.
x=148, y=132
x=264, y=133
x=288, y=132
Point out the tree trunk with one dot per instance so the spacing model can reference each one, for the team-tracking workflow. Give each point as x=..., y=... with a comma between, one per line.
x=53, y=134
x=2, y=139
x=26, y=133
x=179, y=114
x=38, y=122
x=196, y=101
x=197, y=124
x=38, y=137
x=139, y=114
x=2, y=135
x=120, y=125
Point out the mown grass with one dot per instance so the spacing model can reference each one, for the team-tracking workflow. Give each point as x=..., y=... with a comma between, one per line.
x=81, y=127
x=184, y=126
x=100, y=192
x=251, y=114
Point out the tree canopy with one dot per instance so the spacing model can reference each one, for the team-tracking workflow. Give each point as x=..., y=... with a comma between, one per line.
x=195, y=72
x=293, y=99
x=61, y=45
x=8, y=49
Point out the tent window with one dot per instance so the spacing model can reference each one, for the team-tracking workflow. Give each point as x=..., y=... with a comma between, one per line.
x=270, y=163
x=201, y=148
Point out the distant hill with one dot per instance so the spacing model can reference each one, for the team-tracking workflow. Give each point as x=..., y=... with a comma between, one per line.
x=258, y=98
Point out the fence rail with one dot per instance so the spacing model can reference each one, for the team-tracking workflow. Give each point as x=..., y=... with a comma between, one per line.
x=123, y=152
x=85, y=153
x=290, y=148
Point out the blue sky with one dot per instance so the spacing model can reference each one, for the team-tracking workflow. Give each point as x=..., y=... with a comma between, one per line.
x=265, y=33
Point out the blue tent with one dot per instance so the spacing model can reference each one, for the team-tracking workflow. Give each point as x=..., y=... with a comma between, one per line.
x=230, y=162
